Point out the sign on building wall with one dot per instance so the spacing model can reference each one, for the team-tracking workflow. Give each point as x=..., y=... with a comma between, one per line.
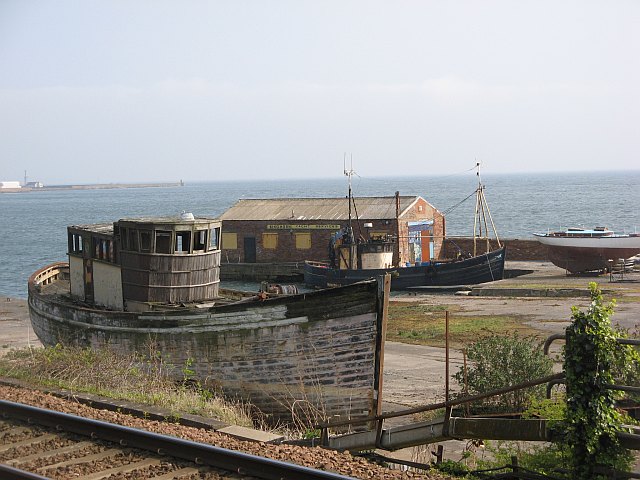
x=303, y=227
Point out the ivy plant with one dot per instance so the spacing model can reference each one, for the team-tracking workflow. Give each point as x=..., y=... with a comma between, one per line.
x=592, y=420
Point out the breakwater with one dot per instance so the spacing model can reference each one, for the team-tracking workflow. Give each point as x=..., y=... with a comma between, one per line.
x=93, y=186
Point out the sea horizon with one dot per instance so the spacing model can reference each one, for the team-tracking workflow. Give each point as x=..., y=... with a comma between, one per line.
x=152, y=182
x=33, y=225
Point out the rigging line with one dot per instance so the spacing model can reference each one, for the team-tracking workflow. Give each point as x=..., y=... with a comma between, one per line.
x=355, y=209
x=386, y=180
x=448, y=210
x=489, y=264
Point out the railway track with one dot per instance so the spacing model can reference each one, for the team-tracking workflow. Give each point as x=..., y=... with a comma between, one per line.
x=36, y=443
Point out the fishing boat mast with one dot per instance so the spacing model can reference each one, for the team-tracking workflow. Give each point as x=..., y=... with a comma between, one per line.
x=482, y=213
x=349, y=237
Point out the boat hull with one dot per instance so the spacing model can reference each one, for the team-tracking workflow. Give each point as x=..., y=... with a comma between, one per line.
x=318, y=351
x=589, y=254
x=480, y=269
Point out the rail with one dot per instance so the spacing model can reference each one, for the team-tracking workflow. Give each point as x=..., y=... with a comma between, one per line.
x=48, y=274
x=560, y=336
x=230, y=460
x=379, y=419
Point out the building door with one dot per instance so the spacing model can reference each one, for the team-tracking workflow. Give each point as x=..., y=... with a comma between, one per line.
x=250, y=249
x=421, y=246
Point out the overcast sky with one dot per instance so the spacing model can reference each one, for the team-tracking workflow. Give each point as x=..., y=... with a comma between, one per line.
x=109, y=91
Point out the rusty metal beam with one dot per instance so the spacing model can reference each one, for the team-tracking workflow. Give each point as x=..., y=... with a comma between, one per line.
x=531, y=430
x=452, y=403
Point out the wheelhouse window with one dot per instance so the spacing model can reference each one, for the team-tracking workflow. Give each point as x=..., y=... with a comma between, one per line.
x=163, y=241
x=200, y=241
x=124, y=238
x=75, y=243
x=103, y=249
x=133, y=240
x=183, y=242
x=145, y=241
x=214, y=238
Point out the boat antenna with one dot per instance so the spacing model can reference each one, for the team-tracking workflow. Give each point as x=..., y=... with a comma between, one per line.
x=349, y=173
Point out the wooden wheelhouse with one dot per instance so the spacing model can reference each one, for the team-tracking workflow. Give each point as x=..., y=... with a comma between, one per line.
x=134, y=264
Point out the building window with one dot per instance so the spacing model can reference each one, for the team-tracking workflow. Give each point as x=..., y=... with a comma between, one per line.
x=200, y=241
x=229, y=241
x=183, y=242
x=379, y=236
x=270, y=241
x=303, y=241
x=163, y=242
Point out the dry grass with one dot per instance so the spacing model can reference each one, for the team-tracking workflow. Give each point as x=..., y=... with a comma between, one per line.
x=138, y=378
x=424, y=324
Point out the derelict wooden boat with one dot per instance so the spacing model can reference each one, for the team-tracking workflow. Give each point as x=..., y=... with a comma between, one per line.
x=318, y=350
x=579, y=250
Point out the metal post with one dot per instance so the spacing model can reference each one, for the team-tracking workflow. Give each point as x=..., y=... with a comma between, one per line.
x=384, y=291
x=514, y=464
x=446, y=374
x=466, y=379
x=439, y=454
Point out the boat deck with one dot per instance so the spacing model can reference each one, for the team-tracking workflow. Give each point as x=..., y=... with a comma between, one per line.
x=61, y=289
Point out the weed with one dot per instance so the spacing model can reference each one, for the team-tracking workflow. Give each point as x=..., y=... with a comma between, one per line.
x=139, y=378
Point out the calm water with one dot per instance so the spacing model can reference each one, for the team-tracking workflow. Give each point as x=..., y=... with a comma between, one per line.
x=33, y=225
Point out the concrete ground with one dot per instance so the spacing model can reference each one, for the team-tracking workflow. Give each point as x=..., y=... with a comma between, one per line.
x=414, y=375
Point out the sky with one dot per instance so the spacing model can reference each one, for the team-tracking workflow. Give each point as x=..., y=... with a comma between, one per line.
x=153, y=91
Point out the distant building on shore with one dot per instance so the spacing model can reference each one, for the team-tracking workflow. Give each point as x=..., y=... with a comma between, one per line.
x=34, y=185
x=298, y=229
x=10, y=185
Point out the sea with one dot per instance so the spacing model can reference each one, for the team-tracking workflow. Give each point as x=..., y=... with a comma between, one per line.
x=33, y=224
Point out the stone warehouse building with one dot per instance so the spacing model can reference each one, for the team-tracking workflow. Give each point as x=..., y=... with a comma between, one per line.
x=298, y=229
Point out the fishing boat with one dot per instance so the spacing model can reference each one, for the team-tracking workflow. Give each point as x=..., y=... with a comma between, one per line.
x=352, y=260
x=580, y=250
x=152, y=284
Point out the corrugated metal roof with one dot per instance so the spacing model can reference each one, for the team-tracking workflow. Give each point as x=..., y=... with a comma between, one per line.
x=368, y=208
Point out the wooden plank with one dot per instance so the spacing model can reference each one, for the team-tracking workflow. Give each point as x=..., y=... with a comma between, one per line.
x=384, y=290
x=382, y=335
x=14, y=431
x=183, y=472
x=27, y=442
x=49, y=454
x=130, y=467
x=112, y=452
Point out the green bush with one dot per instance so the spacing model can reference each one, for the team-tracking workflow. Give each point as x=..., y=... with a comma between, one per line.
x=497, y=362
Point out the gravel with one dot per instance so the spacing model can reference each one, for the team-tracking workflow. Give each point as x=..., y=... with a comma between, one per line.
x=340, y=462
